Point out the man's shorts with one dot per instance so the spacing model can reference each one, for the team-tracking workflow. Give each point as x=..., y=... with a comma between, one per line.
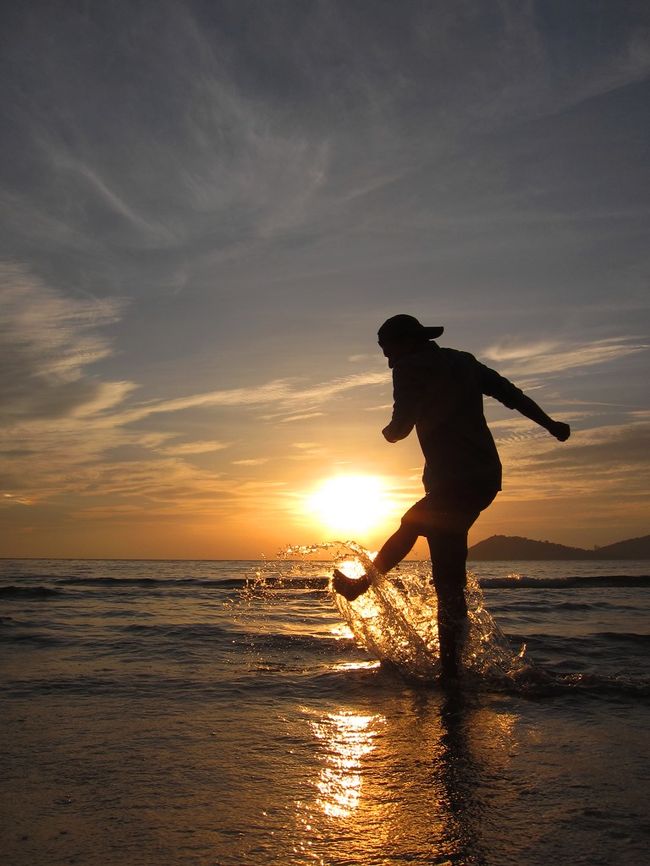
x=452, y=512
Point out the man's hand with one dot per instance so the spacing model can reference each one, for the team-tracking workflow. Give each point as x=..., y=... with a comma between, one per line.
x=388, y=434
x=560, y=430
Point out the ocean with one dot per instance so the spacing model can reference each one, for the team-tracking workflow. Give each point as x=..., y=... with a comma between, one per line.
x=223, y=713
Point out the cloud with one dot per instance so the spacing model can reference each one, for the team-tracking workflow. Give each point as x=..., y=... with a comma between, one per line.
x=80, y=436
x=618, y=446
x=169, y=489
x=46, y=343
x=158, y=234
x=550, y=357
x=608, y=462
x=186, y=158
x=198, y=447
x=283, y=392
x=206, y=154
x=304, y=417
x=11, y=499
x=307, y=451
x=71, y=426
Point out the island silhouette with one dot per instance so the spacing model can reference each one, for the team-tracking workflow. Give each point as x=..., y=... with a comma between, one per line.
x=505, y=547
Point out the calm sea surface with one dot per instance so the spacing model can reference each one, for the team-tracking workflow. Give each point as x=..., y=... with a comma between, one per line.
x=221, y=713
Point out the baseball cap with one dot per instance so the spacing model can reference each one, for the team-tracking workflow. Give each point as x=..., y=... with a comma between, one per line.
x=404, y=327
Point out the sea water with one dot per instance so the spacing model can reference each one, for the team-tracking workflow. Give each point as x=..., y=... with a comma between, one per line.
x=226, y=713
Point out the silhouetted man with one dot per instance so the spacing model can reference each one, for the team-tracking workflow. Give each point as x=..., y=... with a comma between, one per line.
x=440, y=393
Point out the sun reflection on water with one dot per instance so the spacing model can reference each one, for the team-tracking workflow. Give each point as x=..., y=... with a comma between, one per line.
x=346, y=738
x=384, y=785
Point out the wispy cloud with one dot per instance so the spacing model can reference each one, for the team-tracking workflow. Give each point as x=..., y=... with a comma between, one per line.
x=287, y=393
x=304, y=417
x=198, y=447
x=610, y=462
x=11, y=499
x=46, y=343
x=308, y=451
x=75, y=428
x=550, y=357
x=146, y=228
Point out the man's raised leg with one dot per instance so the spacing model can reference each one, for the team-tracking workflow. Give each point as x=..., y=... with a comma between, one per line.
x=392, y=552
x=395, y=549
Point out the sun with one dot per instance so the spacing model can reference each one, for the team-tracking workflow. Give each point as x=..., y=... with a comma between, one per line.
x=349, y=504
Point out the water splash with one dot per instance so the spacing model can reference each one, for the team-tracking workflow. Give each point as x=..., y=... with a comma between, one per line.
x=396, y=619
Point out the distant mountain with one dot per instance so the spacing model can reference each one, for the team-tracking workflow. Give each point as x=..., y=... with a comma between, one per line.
x=514, y=547
x=633, y=548
x=500, y=547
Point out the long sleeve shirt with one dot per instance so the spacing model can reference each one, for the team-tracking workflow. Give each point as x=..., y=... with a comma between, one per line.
x=440, y=393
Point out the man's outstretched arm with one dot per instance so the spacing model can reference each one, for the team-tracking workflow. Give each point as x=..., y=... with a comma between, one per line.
x=503, y=390
x=530, y=409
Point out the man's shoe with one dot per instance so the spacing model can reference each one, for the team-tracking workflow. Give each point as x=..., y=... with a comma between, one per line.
x=350, y=587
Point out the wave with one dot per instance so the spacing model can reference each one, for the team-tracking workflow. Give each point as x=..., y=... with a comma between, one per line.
x=530, y=684
x=599, y=580
x=253, y=640
x=306, y=584
x=321, y=581
x=13, y=591
x=194, y=631
x=133, y=581
x=544, y=682
x=642, y=640
x=31, y=639
x=214, y=583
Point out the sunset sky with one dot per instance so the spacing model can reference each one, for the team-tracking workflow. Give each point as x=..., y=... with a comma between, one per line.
x=208, y=209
